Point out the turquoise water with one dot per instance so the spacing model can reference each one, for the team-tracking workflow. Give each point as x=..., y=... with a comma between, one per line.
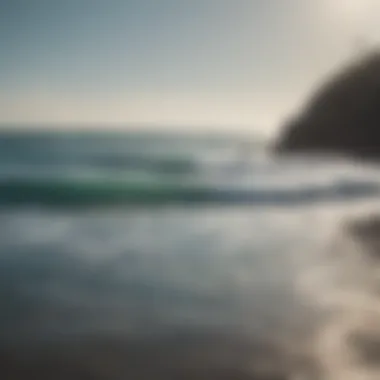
x=120, y=169
x=142, y=234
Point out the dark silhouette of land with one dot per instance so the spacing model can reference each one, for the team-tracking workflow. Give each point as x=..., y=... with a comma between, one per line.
x=342, y=116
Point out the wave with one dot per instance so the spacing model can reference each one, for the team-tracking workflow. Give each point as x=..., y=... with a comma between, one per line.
x=68, y=192
x=175, y=165
x=166, y=165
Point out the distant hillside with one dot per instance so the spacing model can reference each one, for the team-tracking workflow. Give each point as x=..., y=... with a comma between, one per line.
x=343, y=116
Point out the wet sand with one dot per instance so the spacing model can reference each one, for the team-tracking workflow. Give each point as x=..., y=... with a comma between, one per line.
x=170, y=358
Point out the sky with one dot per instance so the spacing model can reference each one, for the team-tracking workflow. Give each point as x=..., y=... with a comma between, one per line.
x=184, y=64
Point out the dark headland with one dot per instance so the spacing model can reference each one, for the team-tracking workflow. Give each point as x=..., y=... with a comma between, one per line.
x=342, y=116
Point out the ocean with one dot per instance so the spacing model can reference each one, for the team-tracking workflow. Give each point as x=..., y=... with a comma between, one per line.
x=150, y=236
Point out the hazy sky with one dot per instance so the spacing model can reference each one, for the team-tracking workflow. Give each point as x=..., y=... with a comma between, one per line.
x=213, y=63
